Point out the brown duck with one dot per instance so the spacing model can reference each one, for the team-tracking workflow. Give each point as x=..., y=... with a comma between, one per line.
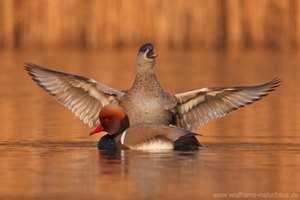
x=144, y=136
x=146, y=101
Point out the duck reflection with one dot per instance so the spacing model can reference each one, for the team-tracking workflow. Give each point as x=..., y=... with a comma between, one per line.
x=144, y=169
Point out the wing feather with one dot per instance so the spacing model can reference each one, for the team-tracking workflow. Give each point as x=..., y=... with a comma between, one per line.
x=83, y=96
x=195, y=108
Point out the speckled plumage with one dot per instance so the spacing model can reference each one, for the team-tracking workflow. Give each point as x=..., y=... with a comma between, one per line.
x=147, y=102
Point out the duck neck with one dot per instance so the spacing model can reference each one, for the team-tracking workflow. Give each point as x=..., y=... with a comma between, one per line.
x=146, y=80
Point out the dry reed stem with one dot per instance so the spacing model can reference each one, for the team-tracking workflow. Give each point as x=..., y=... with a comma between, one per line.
x=115, y=24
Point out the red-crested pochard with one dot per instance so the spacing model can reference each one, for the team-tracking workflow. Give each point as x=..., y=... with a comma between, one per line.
x=147, y=136
x=146, y=101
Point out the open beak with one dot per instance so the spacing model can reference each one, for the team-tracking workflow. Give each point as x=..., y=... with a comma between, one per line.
x=151, y=54
x=97, y=130
x=154, y=55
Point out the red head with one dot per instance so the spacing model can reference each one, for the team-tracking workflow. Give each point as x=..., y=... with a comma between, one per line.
x=113, y=120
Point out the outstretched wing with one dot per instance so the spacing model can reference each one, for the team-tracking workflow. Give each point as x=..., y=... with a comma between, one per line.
x=83, y=96
x=197, y=107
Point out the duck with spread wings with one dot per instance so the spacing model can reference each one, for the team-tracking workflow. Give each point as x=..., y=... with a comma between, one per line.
x=146, y=101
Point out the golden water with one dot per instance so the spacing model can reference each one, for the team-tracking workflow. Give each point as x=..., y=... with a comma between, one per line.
x=46, y=153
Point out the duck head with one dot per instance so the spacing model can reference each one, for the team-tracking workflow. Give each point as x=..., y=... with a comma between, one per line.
x=146, y=55
x=113, y=120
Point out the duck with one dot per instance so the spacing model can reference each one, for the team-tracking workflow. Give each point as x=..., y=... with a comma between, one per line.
x=146, y=101
x=145, y=136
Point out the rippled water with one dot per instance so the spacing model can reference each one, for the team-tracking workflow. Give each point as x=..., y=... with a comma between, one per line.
x=46, y=153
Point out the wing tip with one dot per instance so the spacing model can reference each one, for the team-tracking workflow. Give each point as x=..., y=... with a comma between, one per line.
x=276, y=82
x=267, y=87
x=272, y=85
x=29, y=66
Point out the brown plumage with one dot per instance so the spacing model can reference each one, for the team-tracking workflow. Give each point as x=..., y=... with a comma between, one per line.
x=146, y=101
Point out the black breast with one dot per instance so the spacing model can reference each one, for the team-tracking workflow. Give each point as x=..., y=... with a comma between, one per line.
x=107, y=142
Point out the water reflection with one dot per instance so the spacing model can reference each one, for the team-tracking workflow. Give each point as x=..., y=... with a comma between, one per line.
x=46, y=153
x=149, y=173
x=220, y=168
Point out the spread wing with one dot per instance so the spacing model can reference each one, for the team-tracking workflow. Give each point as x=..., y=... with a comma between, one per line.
x=197, y=107
x=83, y=96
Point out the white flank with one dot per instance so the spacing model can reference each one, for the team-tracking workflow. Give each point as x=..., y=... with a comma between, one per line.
x=123, y=137
x=154, y=144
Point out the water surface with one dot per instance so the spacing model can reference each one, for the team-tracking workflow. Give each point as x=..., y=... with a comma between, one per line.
x=46, y=153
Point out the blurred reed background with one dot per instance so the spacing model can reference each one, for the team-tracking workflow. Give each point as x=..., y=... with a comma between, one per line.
x=183, y=24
